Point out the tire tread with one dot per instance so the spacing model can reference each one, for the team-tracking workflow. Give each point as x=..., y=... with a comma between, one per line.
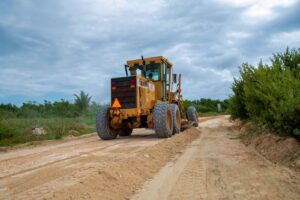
x=102, y=128
x=159, y=120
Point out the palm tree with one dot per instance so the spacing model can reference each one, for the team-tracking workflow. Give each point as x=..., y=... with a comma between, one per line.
x=82, y=101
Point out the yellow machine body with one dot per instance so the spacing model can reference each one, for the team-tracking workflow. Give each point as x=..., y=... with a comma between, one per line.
x=148, y=91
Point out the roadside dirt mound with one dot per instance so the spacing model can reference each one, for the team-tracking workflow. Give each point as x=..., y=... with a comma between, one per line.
x=121, y=178
x=277, y=149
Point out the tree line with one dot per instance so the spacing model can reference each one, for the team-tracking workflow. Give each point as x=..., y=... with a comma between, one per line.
x=83, y=106
x=205, y=105
x=62, y=108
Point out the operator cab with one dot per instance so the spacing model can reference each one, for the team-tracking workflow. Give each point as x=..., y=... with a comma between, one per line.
x=157, y=69
x=152, y=71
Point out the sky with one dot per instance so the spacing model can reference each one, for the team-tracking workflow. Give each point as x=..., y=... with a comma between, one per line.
x=50, y=50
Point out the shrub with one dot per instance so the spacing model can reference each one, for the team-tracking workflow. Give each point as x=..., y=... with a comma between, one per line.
x=270, y=94
x=237, y=107
x=5, y=130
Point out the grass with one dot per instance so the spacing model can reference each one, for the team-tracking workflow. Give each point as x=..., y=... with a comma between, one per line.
x=19, y=130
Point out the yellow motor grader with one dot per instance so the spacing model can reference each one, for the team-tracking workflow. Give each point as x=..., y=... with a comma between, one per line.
x=145, y=98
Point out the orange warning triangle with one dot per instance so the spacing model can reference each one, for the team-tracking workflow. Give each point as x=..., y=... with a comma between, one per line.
x=116, y=103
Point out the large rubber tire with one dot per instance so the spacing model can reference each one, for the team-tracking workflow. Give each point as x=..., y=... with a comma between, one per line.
x=102, y=124
x=162, y=119
x=192, y=115
x=176, y=118
x=125, y=132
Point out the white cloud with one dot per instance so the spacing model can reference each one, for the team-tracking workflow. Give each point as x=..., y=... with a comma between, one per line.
x=263, y=3
x=237, y=3
x=288, y=38
x=238, y=35
x=259, y=10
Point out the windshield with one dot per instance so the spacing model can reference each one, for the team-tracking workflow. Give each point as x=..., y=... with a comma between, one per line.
x=153, y=71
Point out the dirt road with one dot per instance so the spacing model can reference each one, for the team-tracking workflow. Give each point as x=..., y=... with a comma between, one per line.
x=211, y=164
x=218, y=166
x=38, y=172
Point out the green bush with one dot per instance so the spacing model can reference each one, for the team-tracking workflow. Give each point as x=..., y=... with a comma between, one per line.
x=270, y=94
x=5, y=130
x=237, y=107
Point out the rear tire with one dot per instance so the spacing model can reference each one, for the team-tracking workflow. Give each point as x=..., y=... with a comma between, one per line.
x=162, y=119
x=125, y=132
x=105, y=132
x=176, y=118
x=193, y=116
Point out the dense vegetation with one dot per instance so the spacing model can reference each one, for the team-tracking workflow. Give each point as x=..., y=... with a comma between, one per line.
x=48, y=109
x=207, y=106
x=57, y=119
x=63, y=118
x=270, y=94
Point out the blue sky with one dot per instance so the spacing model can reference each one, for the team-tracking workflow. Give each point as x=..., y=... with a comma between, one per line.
x=53, y=49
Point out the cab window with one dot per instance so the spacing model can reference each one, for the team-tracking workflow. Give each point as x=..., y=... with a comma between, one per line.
x=153, y=71
x=167, y=75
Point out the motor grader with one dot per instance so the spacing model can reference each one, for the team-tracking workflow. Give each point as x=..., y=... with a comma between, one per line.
x=146, y=97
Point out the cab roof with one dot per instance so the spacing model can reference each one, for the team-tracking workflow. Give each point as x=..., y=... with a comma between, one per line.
x=156, y=59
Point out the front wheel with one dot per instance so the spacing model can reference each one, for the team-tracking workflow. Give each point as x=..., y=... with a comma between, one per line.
x=176, y=118
x=105, y=132
x=192, y=115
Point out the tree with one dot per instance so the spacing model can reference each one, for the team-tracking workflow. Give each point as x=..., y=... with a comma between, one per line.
x=82, y=101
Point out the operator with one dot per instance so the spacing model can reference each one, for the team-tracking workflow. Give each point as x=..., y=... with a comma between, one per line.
x=150, y=76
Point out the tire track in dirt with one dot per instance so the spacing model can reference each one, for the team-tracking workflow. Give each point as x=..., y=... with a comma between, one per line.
x=218, y=166
x=191, y=184
x=15, y=162
x=44, y=171
x=22, y=151
x=59, y=160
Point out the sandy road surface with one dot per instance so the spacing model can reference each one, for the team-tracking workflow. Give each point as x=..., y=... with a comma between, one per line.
x=218, y=166
x=211, y=164
x=37, y=172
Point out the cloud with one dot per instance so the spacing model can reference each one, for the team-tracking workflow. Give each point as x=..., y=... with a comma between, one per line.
x=259, y=10
x=290, y=38
x=53, y=49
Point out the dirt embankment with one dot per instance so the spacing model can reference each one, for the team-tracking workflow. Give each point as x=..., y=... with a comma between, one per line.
x=279, y=150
